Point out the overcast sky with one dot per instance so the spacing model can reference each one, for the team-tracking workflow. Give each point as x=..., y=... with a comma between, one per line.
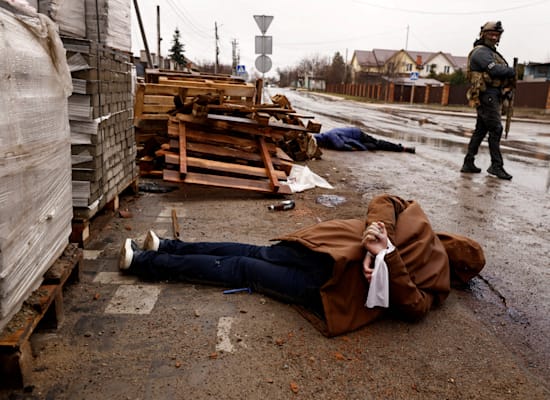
x=303, y=29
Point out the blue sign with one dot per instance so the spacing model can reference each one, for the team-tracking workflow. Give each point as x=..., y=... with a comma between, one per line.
x=414, y=76
x=241, y=69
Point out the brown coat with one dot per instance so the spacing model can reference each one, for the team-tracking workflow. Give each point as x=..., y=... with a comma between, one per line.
x=419, y=267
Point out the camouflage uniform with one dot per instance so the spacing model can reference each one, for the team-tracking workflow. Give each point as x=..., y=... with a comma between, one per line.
x=490, y=76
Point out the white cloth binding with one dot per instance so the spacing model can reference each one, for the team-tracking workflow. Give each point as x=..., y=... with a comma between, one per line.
x=379, y=288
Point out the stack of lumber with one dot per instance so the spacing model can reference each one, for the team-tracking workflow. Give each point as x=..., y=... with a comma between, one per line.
x=213, y=130
x=226, y=151
x=155, y=98
x=35, y=155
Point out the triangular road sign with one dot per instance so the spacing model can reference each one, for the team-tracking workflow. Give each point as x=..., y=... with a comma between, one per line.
x=263, y=22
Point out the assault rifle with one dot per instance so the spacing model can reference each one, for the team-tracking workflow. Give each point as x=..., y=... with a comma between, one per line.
x=511, y=95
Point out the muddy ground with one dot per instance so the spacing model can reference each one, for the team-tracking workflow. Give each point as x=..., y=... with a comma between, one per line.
x=472, y=347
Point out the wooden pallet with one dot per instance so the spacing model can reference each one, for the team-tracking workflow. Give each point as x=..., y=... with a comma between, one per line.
x=226, y=151
x=44, y=308
x=80, y=223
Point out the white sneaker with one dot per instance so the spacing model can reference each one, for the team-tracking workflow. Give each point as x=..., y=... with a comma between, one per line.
x=152, y=241
x=126, y=254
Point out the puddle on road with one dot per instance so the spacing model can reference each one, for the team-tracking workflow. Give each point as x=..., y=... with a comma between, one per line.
x=330, y=200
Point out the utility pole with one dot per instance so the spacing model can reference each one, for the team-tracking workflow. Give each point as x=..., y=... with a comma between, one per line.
x=143, y=37
x=217, y=48
x=235, y=57
x=344, y=80
x=407, y=39
x=158, y=37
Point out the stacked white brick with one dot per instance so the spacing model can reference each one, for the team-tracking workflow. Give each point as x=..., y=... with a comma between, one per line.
x=101, y=105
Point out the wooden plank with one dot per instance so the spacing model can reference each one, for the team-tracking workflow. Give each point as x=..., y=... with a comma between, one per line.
x=157, y=108
x=151, y=126
x=227, y=152
x=286, y=166
x=313, y=127
x=171, y=175
x=231, y=182
x=175, y=224
x=173, y=127
x=183, y=148
x=270, y=171
x=172, y=158
x=171, y=87
x=154, y=74
x=232, y=168
x=66, y=268
x=196, y=162
x=209, y=83
x=241, y=120
x=238, y=124
x=219, y=142
x=155, y=89
x=204, y=78
x=138, y=103
x=262, y=118
x=283, y=156
x=182, y=94
x=202, y=136
x=171, y=90
x=45, y=295
x=159, y=99
x=151, y=117
x=195, y=135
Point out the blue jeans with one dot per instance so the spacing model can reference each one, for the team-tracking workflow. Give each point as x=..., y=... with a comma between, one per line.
x=286, y=271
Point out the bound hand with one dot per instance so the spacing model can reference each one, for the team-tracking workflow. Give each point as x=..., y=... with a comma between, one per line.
x=375, y=237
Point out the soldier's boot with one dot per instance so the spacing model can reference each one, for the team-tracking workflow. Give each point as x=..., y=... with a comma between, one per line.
x=499, y=172
x=469, y=166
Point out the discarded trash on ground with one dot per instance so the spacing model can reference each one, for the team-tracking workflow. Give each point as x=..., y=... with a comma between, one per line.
x=152, y=187
x=282, y=206
x=330, y=200
x=302, y=178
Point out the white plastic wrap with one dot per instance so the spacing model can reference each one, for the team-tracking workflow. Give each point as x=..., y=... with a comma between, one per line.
x=70, y=15
x=35, y=155
x=112, y=17
x=23, y=5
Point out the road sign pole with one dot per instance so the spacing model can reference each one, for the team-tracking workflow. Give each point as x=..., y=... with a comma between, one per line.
x=263, y=45
x=413, y=77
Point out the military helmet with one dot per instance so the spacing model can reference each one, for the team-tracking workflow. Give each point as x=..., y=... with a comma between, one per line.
x=492, y=26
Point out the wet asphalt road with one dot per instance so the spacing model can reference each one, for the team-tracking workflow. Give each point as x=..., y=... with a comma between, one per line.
x=444, y=134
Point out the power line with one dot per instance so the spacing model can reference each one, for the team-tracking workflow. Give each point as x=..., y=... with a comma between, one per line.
x=416, y=11
x=204, y=33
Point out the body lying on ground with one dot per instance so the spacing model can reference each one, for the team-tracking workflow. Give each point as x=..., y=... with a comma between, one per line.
x=352, y=138
x=332, y=270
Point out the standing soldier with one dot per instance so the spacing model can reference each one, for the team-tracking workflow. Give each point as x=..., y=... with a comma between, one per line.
x=489, y=76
